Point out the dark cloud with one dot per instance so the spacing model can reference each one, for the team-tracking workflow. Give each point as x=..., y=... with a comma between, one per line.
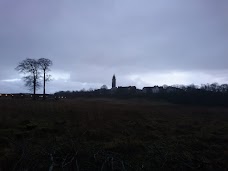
x=139, y=41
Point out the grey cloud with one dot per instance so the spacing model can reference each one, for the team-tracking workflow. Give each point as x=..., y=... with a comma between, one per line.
x=91, y=40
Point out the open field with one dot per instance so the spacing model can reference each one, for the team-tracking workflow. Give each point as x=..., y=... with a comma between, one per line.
x=109, y=134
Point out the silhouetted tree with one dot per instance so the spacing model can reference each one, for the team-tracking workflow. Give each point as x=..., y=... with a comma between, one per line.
x=224, y=88
x=214, y=87
x=30, y=67
x=83, y=90
x=104, y=87
x=45, y=65
x=90, y=90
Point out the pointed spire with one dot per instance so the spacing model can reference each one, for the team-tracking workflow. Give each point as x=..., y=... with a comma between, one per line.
x=114, y=81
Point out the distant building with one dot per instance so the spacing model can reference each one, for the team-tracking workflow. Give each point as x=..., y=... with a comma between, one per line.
x=154, y=89
x=126, y=90
x=171, y=89
x=114, y=81
x=129, y=88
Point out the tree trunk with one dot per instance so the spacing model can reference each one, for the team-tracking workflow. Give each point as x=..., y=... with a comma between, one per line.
x=34, y=87
x=44, y=93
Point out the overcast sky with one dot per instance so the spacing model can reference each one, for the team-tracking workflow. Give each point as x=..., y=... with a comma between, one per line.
x=142, y=42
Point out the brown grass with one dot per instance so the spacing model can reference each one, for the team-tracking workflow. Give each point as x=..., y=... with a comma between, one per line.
x=108, y=134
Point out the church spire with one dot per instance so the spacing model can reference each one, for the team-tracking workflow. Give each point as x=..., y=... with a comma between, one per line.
x=114, y=81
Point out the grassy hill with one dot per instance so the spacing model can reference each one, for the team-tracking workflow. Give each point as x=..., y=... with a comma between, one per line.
x=109, y=134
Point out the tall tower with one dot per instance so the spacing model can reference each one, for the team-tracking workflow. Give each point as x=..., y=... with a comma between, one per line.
x=114, y=81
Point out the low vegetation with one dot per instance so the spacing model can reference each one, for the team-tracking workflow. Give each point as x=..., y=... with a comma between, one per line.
x=109, y=134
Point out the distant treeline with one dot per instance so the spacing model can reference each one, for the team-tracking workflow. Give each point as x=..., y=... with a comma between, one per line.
x=209, y=94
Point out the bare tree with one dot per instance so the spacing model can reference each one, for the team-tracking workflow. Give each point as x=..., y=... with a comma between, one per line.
x=30, y=68
x=45, y=65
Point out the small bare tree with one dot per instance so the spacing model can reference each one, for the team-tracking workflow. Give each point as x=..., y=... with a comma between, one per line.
x=45, y=65
x=30, y=67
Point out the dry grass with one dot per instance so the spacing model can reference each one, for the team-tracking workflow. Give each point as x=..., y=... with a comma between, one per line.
x=107, y=134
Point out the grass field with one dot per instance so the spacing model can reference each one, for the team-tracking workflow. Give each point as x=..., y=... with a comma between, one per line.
x=109, y=134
